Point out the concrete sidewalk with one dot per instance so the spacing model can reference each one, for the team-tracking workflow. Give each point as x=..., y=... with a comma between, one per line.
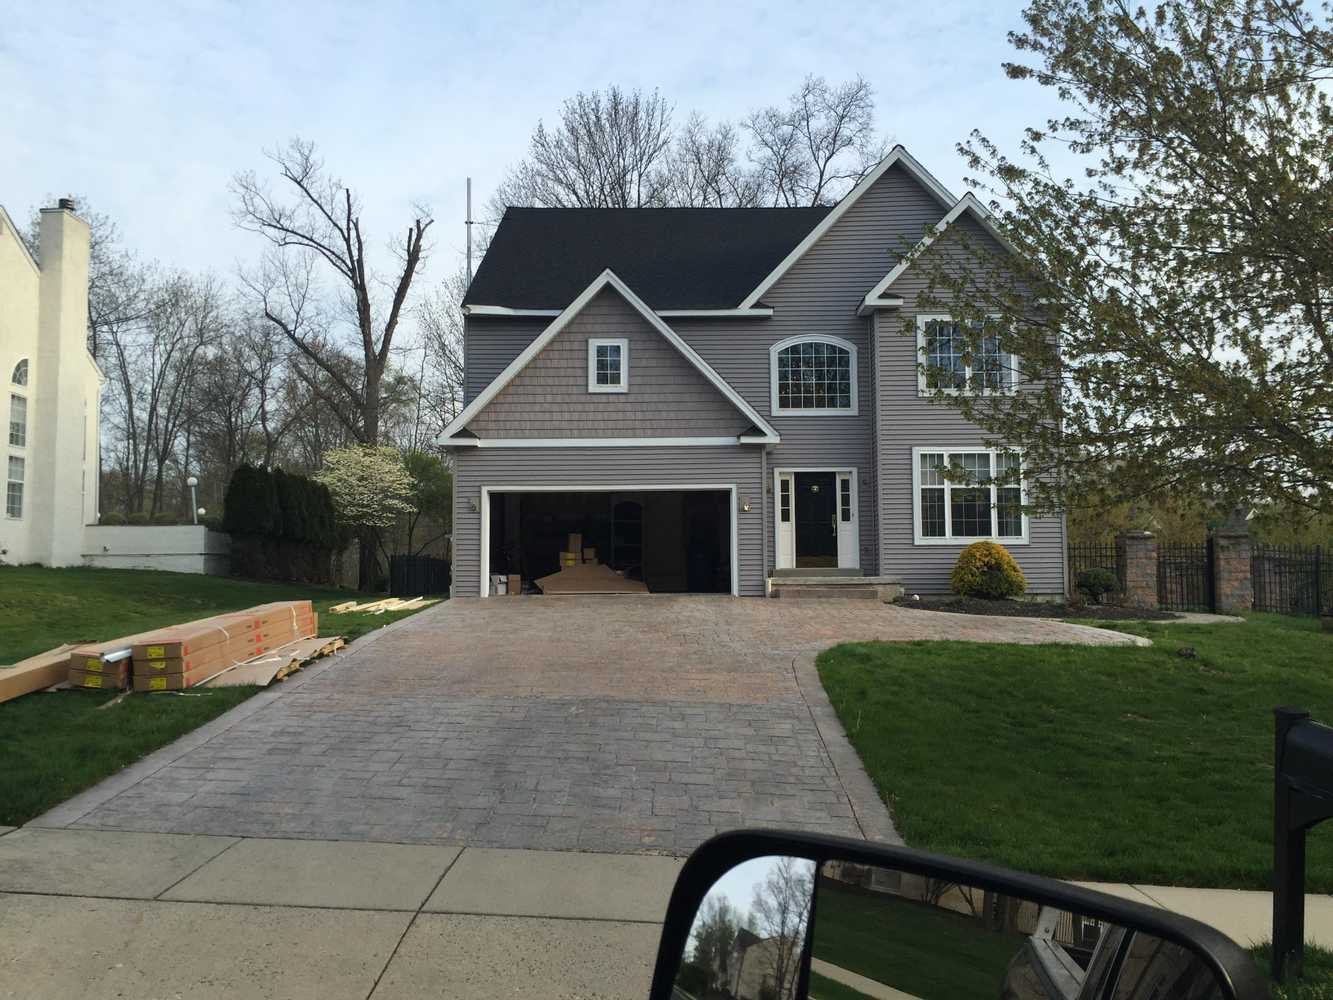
x=94, y=913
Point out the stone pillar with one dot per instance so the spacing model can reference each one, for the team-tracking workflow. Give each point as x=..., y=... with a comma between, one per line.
x=1136, y=560
x=1232, y=586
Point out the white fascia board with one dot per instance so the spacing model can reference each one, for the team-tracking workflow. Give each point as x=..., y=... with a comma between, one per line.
x=640, y=442
x=759, y=312
x=967, y=203
x=898, y=155
x=507, y=311
x=603, y=280
x=7, y=223
x=869, y=305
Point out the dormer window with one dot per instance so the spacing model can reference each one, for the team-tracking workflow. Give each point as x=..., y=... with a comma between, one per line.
x=608, y=365
x=20, y=376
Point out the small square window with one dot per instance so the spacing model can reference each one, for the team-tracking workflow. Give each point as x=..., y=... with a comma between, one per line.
x=608, y=365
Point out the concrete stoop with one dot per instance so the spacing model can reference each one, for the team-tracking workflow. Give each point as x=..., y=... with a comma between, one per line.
x=841, y=587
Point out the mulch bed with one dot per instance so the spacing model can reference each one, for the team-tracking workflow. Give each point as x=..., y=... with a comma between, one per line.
x=1033, y=609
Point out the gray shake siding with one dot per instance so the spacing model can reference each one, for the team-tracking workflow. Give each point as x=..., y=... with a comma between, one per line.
x=578, y=468
x=817, y=296
x=667, y=395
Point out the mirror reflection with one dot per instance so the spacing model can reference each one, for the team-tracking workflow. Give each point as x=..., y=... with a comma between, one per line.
x=779, y=929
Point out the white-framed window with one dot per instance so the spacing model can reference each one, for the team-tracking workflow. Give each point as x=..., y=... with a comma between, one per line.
x=20, y=375
x=948, y=364
x=608, y=365
x=18, y=421
x=14, y=488
x=962, y=495
x=813, y=376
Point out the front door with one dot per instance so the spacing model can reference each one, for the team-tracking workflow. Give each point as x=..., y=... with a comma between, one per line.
x=816, y=519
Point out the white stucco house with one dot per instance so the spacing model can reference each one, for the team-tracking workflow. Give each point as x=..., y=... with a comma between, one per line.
x=50, y=390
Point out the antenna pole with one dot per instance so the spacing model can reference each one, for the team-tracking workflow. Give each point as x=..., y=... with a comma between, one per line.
x=468, y=226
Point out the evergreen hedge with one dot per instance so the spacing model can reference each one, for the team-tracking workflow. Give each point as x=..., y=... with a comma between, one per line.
x=283, y=526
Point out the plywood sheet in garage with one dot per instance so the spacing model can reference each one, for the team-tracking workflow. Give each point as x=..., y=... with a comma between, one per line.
x=590, y=578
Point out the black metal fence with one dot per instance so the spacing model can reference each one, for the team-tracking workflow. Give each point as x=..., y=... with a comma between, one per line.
x=416, y=576
x=1084, y=556
x=1291, y=579
x=1185, y=576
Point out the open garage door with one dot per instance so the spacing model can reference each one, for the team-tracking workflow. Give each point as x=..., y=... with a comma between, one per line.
x=674, y=540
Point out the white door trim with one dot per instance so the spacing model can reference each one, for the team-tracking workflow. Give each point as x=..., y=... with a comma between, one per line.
x=486, y=491
x=849, y=538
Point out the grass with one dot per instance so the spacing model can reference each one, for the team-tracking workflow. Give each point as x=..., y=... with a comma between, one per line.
x=823, y=988
x=1103, y=763
x=922, y=950
x=54, y=746
x=1315, y=982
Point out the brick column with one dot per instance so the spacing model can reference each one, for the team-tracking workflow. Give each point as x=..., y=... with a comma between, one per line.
x=1136, y=561
x=1232, y=586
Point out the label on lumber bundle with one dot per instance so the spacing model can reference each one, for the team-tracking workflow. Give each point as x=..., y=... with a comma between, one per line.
x=156, y=652
x=94, y=681
x=157, y=683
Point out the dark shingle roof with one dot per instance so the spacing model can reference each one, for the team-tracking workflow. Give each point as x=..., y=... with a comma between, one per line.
x=673, y=258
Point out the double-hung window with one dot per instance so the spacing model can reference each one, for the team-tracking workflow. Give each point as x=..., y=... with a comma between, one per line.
x=14, y=488
x=964, y=495
x=608, y=365
x=18, y=421
x=953, y=362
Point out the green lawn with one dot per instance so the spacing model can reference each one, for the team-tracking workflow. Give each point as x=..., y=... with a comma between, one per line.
x=55, y=745
x=1316, y=981
x=1108, y=763
x=922, y=950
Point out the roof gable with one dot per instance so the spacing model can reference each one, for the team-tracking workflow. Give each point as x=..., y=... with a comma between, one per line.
x=898, y=156
x=607, y=279
x=968, y=204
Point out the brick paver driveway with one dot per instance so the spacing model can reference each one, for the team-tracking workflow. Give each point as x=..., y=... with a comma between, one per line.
x=606, y=723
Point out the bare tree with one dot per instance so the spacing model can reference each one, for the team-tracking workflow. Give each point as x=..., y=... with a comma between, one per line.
x=608, y=150
x=817, y=148
x=318, y=231
x=706, y=168
x=781, y=909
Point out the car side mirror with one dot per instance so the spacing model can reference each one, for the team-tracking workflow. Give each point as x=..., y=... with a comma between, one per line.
x=758, y=915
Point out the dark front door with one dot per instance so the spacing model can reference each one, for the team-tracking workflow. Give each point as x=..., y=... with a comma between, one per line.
x=816, y=525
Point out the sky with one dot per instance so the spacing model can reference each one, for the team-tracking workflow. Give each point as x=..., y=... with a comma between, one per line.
x=149, y=110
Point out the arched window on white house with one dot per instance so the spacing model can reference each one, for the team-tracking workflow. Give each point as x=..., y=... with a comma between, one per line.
x=20, y=376
x=813, y=376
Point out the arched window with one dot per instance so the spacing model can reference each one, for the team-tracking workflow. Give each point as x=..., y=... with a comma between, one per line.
x=813, y=376
x=20, y=376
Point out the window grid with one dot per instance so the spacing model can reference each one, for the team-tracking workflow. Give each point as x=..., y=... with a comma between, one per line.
x=845, y=498
x=948, y=367
x=20, y=375
x=814, y=376
x=14, y=488
x=973, y=503
x=784, y=500
x=609, y=365
x=18, y=421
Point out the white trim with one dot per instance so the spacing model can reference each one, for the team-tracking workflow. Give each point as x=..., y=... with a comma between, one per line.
x=507, y=311
x=816, y=338
x=484, y=556
x=638, y=442
x=924, y=390
x=896, y=155
x=947, y=450
x=623, y=344
x=607, y=277
x=967, y=203
x=850, y=471
x=27, y=254
x=869, y=305
x=759, y=312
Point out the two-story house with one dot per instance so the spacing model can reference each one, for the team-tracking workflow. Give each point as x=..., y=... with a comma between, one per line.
x=710, y=396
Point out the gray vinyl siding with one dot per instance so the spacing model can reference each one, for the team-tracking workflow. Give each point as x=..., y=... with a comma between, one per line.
x=908, y=420
x=489, y=344
x=628, y=467
x=667, y=395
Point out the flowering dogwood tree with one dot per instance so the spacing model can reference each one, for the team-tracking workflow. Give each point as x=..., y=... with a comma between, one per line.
x=371, y=489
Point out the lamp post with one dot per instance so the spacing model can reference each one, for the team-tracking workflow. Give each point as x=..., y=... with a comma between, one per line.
x=192, y=482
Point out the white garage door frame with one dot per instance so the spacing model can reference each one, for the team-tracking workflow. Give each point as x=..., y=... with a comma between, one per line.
x=486, y=491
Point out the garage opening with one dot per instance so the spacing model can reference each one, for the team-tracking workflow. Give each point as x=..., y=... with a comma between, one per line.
x=669, y=541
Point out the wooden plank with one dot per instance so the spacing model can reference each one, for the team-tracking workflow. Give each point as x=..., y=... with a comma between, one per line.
x=36, y=673
x=338, y=609
x=264, y=670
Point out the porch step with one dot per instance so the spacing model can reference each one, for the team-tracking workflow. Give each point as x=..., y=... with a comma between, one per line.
x=841, y=587
x=815, y=571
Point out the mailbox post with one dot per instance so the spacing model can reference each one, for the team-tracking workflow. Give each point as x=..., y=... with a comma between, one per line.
x=1302, y=798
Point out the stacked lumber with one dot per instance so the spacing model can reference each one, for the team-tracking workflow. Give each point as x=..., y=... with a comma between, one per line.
x=36, y=672
x=380, y=607
x=182, y=656
x=264, y=670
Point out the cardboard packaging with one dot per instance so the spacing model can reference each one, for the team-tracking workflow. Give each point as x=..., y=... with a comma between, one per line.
x=36, y=672
x=115, y=680
x=575, y=543
x=590, y=555
x=515, y=585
